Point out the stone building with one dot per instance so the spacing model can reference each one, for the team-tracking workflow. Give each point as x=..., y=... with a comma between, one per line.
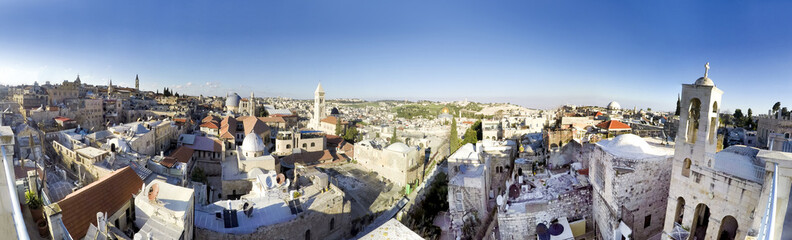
x=309, y=141
x=468, y=185
x=542, y=199
x=491, y=130
x=164, y=211
x=766, y=127
x=712, y=195
x=630, y=180
x=306, y=206
x=399, y=163
x=67, y=90
x=252, y=158
x=76, y=214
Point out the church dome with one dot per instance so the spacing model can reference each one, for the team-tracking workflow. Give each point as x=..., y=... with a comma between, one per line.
x=253, y=144
x=705, y=81
x=399, y=147
x=232, y=100
x=614, y=106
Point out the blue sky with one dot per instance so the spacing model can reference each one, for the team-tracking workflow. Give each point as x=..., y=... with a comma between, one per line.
x=533, y=53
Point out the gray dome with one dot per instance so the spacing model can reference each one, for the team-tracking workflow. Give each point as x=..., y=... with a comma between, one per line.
x=399, y=147
x=705, y=81
x=614, y=106
x=253, y=143
x=232, y=100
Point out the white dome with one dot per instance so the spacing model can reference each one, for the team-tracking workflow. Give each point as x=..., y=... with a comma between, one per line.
x=398, y=147
x=629, y=144
x=232, y=100
x=253, y=143
x=614, y=106
x=705, y=81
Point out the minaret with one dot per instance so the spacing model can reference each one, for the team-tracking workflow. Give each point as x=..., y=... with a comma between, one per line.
x=252, y=105
x=319, y=106
x=110, y=87
x=137, y=82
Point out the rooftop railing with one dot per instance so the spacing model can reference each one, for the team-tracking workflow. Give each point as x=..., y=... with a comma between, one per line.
x=19, y=220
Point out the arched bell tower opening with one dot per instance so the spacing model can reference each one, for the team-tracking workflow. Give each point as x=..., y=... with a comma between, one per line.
x=693, y=120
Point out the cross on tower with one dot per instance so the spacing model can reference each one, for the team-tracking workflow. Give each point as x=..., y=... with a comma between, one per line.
x=706, y=69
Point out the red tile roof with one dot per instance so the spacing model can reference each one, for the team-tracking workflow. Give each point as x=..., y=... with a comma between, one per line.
x=211, y=125
x=332, y=120
x=108, y=194
x=613, y=125
x=183, y=154
x=228, y=128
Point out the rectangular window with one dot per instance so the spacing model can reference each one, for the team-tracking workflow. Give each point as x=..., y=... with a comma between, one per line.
x=647, y=221
x=698, y=177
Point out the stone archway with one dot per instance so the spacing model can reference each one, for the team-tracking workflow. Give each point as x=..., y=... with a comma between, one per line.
x=698, y=228
x=728, y=228
x=680, y=210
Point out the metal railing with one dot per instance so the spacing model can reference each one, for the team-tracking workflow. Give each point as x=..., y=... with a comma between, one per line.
x=768, y=223
x=19, y=220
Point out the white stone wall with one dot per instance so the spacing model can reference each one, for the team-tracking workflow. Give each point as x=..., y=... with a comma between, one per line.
x=633, y=189
x=575, y=204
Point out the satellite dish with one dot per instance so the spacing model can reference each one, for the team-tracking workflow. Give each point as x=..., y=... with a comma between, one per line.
x=499, y=200
x=281, y=178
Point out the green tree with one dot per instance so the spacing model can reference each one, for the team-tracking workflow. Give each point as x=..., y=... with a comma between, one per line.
x=749, y=122
x=677, y=109
x=776, y=107
x=394, y=139
x=453, y=136
x=351, y=135
x=739, y=120
x=784, y=112
x=473, y=134
x=338, y=127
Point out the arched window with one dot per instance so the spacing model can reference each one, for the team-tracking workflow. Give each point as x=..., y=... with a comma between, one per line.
x=694, y=113
x=728, y=228
x=332, y=223
x=680, y=210
x=308, y=234
x=700, y=221
x=288, y=146
x=715, y=107
x=305, y=145
x=313, y=144
x=686, y=167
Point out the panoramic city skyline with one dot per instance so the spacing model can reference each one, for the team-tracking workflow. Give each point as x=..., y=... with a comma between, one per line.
x=586, y=53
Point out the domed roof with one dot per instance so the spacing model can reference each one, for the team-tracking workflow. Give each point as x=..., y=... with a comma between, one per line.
x=705, y=81
x=614, y=106
x=253, y=143
x=629, y=144
x=232, y=100
x=398, y=147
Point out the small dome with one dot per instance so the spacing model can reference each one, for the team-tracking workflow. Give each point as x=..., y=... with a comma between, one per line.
x=614, y=106
x=630, y=144
x=253, y=143
x=232, y=100
x=705, y=81
x=398, y=147
x=334, y=111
